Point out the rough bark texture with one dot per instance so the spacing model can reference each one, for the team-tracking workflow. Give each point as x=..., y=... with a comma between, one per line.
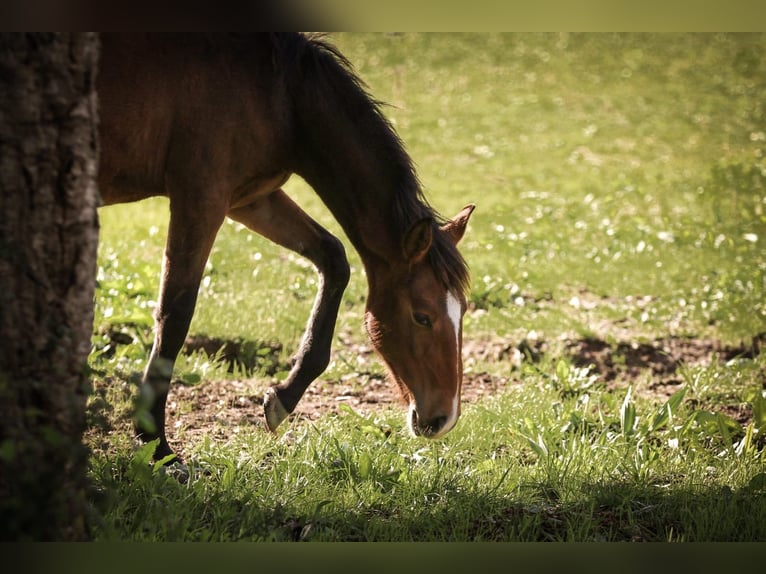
x=48, y=241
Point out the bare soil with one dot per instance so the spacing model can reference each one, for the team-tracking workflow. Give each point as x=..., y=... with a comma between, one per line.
x=219, y=408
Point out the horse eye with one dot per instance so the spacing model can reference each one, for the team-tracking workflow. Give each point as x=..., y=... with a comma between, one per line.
x=421, y=319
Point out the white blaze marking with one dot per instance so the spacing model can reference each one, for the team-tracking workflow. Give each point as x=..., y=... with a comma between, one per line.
x=451, y=420
x=453, y=310
x=454, y=313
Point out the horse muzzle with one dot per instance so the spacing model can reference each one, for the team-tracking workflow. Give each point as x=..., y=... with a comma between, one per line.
x=434, y=427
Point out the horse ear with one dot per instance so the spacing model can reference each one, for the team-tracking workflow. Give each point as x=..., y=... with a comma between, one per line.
x=456, y=227
x=417, y=241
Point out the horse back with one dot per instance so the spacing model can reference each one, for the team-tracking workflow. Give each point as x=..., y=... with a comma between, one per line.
x=200, y=111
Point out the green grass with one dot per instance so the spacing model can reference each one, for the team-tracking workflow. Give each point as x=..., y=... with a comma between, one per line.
x=552, y=459
x=620, y=183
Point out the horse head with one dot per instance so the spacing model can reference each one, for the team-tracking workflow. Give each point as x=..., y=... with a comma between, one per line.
x=414, y=320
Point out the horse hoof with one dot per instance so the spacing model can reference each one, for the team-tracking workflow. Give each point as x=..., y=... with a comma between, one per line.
x=274, y=410
x=183, y=472
x=178, y=470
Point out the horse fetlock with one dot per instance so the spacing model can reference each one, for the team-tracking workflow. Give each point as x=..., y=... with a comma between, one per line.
x=273, y=409
x=159, y=369
x=146, y=396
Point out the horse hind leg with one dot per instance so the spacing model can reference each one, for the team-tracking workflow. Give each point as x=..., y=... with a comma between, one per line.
x=279, y=219
x=190, y=237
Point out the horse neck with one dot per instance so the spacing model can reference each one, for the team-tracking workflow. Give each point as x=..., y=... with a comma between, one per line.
x=347, y=151
x=359, y=181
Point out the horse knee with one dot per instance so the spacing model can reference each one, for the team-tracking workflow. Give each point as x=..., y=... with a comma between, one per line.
x=334, y=263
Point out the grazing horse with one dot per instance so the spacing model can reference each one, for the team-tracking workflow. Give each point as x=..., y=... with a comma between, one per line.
x=217, y=123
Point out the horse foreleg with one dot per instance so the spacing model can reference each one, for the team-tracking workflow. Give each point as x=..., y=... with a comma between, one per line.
x=190, y=237
x=279, y=219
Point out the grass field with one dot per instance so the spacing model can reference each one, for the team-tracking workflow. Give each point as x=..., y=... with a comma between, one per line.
x=618, y=310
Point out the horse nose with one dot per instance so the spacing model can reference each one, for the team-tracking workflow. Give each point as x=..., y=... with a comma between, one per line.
x=430, y=428
x=435, y=425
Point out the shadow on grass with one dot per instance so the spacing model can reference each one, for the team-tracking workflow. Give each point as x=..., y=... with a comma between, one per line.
x=157, y=508
x=611, y=513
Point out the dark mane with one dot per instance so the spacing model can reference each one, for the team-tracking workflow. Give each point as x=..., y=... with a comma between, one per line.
x=314, y=64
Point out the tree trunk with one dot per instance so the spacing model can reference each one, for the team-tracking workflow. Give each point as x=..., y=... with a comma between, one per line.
x=48, y=241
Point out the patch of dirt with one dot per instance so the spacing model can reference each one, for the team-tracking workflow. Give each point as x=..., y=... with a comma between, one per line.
x=661, y=358
x=220, y=408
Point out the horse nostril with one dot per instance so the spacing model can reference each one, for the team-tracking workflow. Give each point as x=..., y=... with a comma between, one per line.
x=437, y=424
x=432, y=428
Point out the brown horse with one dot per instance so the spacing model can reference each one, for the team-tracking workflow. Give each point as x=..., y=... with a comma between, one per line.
x=217, y=123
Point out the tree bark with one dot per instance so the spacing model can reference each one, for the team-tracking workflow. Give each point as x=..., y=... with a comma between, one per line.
x=48, y=242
